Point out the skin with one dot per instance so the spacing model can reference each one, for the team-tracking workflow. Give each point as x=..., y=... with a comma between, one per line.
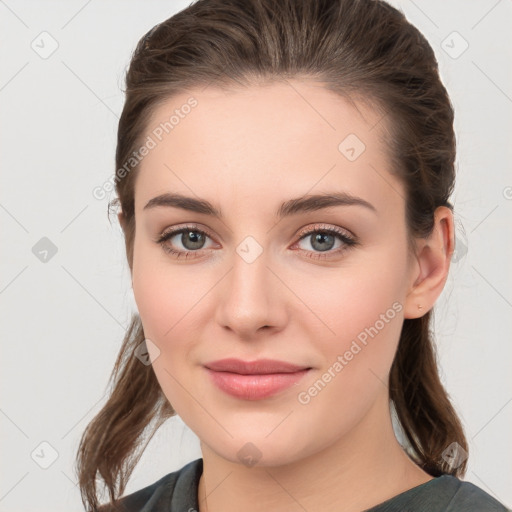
x=247, y=150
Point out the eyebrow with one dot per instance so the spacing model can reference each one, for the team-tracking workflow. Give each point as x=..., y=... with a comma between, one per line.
x=291, y=207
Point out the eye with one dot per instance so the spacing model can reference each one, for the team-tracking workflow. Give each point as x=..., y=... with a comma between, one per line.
x=329, y=240
x=191, y=239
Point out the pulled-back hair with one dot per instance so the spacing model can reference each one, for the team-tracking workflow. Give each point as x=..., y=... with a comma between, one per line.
x=360, y=49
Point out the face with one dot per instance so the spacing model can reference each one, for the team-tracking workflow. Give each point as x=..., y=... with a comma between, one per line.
x=321, y=287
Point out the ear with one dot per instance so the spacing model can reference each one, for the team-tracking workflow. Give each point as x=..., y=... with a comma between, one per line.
x=122, y=222
x=433, y=256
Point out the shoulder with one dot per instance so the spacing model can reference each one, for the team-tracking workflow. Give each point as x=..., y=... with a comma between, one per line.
x=445, y=493
x=176, y=487
x=467, y=497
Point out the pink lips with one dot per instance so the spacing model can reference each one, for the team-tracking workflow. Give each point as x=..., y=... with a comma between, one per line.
x=254, y=380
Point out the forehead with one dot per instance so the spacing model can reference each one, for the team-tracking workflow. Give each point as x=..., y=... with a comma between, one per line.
x=291, y=137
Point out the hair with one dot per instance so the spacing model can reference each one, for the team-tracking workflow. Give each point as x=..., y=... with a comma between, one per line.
x=360, y=49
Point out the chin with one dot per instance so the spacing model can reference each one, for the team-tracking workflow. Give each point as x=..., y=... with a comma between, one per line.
x=259, y=450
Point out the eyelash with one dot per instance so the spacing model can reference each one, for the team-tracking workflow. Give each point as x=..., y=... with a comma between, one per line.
x=347, y=240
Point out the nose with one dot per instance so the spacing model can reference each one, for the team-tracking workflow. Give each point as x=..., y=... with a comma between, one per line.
x=252, y=300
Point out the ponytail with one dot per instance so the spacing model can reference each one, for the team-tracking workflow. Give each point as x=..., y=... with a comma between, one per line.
x=422, y=405
x=115, y=439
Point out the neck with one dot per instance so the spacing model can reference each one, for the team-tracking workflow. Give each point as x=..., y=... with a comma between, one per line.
x=364, y=468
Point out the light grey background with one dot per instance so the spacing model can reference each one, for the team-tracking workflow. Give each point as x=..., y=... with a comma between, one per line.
x=63, y=320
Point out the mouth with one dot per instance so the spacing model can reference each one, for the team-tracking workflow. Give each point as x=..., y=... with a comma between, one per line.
x=254, y=380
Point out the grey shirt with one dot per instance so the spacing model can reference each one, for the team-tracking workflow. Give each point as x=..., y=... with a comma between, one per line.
x=177, y=492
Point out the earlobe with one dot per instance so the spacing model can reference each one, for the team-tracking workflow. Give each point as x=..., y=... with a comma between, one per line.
x=433, y=258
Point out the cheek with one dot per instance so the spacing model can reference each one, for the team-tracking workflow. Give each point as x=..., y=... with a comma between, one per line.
x=358, y=315
x=165, y=293
x=167, y=297
x=363, y=311
x=352, y=298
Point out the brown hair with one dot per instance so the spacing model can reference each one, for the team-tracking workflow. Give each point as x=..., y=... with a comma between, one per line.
x=362, y=49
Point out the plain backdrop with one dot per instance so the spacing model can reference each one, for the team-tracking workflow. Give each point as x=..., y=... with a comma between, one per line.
x=65, y=292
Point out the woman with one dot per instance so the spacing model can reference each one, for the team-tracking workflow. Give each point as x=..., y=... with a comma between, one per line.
x=284, y=172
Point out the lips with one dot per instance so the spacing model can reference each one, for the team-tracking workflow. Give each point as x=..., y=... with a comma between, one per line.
x=254, y=380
